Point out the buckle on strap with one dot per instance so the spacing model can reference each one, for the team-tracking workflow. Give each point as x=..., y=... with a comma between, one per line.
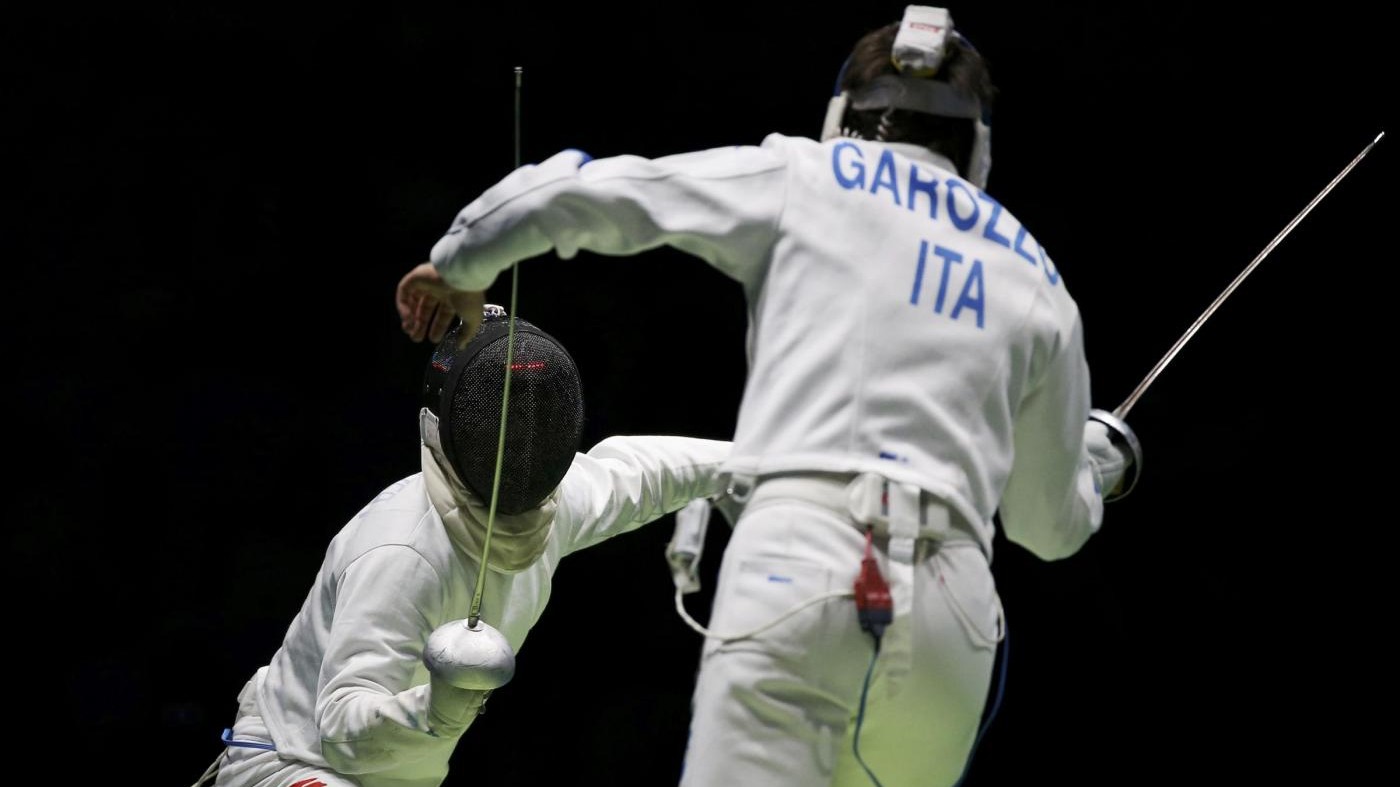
x=739, y=487
x=894, y=508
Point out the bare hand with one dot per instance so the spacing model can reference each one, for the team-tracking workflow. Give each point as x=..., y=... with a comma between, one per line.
x=427, y=306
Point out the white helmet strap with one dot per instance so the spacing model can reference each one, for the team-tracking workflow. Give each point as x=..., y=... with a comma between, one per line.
x=918, y=51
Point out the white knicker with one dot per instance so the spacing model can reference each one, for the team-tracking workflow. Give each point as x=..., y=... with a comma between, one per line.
x=780, y=708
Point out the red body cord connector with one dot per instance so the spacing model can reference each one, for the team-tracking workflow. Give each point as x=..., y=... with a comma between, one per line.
x=874, y=607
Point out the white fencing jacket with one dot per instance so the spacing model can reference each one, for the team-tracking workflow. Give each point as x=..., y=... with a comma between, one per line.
x=901, y=321
x=347, y=689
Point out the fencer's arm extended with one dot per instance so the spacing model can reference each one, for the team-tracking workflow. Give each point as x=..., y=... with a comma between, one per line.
x=721, y=205
x=369, y=713
x=624, y=482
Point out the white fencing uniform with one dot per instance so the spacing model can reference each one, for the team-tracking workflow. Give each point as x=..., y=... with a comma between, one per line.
x=346, y=699
x=903, y=327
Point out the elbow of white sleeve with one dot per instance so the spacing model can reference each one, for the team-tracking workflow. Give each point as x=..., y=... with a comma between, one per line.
x=1051, y=550
x=1079, y=519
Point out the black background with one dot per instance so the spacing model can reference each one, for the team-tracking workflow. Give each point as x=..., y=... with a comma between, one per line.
x=209, y=209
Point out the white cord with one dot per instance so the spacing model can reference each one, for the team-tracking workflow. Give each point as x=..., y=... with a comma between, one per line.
x=210, y=772
x=680, y=608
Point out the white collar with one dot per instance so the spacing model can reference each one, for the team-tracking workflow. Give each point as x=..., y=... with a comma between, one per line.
x=517, y=540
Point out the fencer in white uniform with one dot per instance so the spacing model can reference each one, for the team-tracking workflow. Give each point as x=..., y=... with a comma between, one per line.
x=916, y=367
x=348, y=699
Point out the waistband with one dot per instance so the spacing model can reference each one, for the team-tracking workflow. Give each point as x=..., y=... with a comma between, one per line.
x=866, y=500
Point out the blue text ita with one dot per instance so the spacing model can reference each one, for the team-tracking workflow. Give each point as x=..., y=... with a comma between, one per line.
x=945, y=270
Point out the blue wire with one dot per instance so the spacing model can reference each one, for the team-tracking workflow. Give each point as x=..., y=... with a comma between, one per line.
x=229, y=740
x=860, y=715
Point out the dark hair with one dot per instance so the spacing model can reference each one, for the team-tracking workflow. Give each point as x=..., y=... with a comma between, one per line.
x=963, y=68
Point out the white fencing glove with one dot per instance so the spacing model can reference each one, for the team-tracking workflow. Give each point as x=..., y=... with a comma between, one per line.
x=452, y=709
x=1115, y=452
x=466, y=661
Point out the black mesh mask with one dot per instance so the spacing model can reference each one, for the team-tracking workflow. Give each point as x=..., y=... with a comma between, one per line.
x=544, y=417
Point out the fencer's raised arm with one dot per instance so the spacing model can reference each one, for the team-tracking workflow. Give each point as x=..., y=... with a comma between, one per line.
x=625, y=482
x=721, y=208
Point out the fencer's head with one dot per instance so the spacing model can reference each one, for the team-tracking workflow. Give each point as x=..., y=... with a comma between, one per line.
x=918, y=81
x=464, y=388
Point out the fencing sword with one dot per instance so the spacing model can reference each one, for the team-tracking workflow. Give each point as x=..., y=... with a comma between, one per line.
x=1121, y=411
x=1115, y=420
x=469, y=653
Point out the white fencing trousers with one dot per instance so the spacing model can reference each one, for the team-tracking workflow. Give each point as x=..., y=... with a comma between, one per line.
x=780, y=708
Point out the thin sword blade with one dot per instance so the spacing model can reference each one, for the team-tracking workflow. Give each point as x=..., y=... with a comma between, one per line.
x=1122, y=410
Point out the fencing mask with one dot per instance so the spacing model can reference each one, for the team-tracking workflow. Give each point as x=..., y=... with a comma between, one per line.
x=463, y=388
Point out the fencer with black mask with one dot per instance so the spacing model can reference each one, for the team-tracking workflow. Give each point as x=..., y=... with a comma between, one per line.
x=917, y=376
x=376, y=679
